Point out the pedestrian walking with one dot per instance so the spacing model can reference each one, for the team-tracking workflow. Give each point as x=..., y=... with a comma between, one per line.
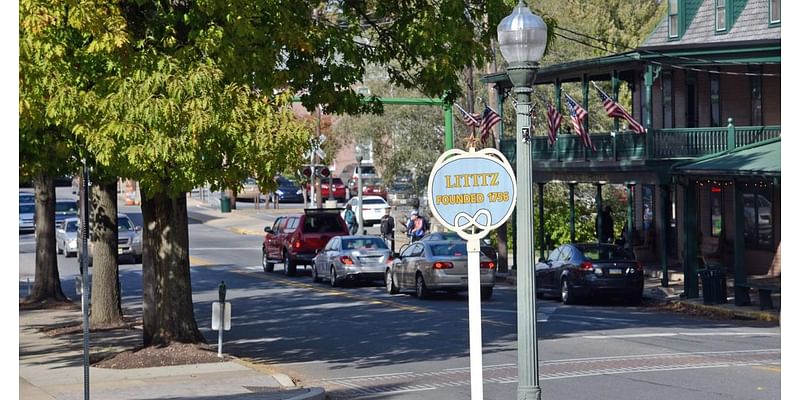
x=350, y=219
x=387, y=228
x=418, y=226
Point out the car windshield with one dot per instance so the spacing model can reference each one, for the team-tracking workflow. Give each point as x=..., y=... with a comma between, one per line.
x=367, y=169
x=374, y=201
x=595, y=252
x=363, y=243
x=71, y=226
x=449, y=249
x=27, y=208
x=125, y=224
x=445, y=236
x=66, y=207
x=321, y=223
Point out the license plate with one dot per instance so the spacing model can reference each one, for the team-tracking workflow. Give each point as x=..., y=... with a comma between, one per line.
x=615, y=271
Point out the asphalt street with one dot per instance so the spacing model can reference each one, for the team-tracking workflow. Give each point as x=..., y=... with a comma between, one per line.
x=361, y=342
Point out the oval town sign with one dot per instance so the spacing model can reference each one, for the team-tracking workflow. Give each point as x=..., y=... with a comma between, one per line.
x=472, y=192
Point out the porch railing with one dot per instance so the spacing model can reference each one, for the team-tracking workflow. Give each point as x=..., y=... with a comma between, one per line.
x=665, y=144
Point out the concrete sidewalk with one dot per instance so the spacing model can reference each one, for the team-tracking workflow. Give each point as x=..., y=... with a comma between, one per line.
x=52, y=368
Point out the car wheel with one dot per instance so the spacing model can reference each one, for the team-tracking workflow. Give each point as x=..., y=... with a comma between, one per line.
x=334, y=283
x=567, y=293
x=635, y=299
x=390, y=287
x=289, y=267
x=486, y=293
x=420, y=289
x=265, y=264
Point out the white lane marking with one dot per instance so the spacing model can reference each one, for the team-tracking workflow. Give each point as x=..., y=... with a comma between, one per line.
x=646, y=335
x=223, y=248
x=659, y=355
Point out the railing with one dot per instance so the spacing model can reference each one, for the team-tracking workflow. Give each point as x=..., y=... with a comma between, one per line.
x=665, y=144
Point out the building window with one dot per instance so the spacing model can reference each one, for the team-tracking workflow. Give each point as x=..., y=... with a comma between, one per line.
x=758, y=229
x=716, y=211
x=720, y=20
x=666, y=99
x=673, y=18
x=716, y=113
x=775, y=11
x=756, y=115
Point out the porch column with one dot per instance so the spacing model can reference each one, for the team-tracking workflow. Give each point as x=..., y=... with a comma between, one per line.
x=585, y=105
x=541, y=219
x=663, y=235
x=572, y=212
x=690, y=234
x=648, y=109
x=598, y=200
x=629, y=225
x=741, y=295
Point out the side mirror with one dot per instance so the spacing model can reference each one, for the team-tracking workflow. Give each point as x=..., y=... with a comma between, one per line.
x=137, y=229
x=268, y=230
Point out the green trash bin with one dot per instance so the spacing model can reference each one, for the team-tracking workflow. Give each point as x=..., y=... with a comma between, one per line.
x=225, y=204
x=714, y=286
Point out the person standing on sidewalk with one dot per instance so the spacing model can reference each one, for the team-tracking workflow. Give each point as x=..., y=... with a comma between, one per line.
x=350, y=219
x=387, y=228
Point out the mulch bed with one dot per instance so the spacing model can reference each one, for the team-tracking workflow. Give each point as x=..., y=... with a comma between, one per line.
x=160, y=356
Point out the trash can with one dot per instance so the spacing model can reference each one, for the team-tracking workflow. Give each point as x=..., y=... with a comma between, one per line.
x=225, y=204
x=714, y=286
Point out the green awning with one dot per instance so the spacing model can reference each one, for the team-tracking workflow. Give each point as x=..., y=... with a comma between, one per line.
x=758, y=159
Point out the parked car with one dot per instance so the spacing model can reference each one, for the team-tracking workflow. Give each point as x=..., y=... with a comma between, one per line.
x=486, y=245
x=339, y=189
x=400, y=193
x=373, y=187
x=249, y=190
x=367, y=172
x=423, y=267
x=374, y=209
x=66, y=208
x=351, y=258
x=287, y=192
x=296, y=239
x=129, y=239
x=582, y=270
x=67, y=237
x=27, y=213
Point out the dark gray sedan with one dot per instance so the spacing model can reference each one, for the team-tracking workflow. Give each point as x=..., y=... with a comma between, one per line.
x=582, y=270
x=351, y=258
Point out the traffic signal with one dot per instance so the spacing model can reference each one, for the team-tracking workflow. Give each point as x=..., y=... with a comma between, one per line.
x=320, y=171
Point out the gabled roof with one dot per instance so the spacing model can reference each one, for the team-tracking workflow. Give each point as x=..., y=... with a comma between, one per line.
x=751, y=24
x=758, y=159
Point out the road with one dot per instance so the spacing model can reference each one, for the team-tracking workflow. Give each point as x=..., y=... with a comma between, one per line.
x=360, y=342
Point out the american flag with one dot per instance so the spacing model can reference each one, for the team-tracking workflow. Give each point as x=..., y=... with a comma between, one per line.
x=614, y=110
x=578, y=115
x=472, y=120
x=488, y=120
x=553, y=123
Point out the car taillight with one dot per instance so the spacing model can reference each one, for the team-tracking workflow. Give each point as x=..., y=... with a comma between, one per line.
x=487, y=264
x=389, y=259
x=442, y=265
x=346, y=260
x=587, y=266
x=296, y=244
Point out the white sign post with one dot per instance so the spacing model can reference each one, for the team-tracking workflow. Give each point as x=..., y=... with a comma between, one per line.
x=472, y=193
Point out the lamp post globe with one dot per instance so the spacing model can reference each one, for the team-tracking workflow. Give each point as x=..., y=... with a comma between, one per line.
x=523, y=38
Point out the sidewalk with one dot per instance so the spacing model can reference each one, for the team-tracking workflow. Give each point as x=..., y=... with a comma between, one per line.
x=52, y=368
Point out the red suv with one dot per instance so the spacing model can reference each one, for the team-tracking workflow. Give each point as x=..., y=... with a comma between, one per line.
x=338, y=189
x=295, y=239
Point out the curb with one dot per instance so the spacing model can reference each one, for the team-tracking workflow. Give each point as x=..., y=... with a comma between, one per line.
x=733, y=314
x=242, y=231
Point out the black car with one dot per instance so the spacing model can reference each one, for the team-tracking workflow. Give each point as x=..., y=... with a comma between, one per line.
x=486, y=247
x=288, y=191
x=582, y=270
x=66, y=208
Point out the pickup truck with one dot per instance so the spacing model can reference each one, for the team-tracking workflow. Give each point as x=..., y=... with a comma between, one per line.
x=295, y=239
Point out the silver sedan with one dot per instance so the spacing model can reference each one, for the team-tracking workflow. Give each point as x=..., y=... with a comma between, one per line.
x=425, y=266
x=351, y=258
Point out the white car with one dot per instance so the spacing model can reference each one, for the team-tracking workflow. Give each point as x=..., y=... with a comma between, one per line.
x=374, y=209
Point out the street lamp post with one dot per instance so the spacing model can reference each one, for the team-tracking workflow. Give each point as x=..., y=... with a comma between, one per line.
x=522, y=37
x=359, y=158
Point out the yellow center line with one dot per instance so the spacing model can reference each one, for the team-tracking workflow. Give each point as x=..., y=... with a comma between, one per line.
x=339, y=293
x=768, y=368
x=196, y=261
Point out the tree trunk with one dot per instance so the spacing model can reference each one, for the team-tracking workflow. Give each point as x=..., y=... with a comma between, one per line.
x=47, y=283
x=106, y=301
x=168, y=312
